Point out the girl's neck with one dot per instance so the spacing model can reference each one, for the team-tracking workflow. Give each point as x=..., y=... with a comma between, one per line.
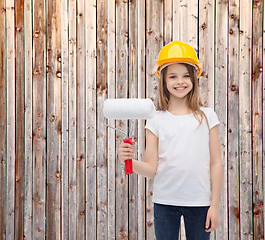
x=178, y=107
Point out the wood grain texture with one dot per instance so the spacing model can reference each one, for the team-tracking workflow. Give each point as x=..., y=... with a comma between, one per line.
x=39, y=119
x=246, y=220
x=81, y=124
x=168, y=23
x=3, y=122
x=54, y=121
x=102, y=88
x=10, y=119
x=20, y=83
x=28, y=160
x=206, y=51
x=65, y=120
x=72, y=98
x=258, y=151
x=233, y=121
x=91, y=150
x=221, y=70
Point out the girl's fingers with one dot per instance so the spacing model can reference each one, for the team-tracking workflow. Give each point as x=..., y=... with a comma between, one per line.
x=213, y=226
x=207, y=224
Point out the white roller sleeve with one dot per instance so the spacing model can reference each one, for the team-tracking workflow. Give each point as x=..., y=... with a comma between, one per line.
x=128, y=108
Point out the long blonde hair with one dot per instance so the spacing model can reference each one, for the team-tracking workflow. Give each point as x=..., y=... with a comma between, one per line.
x=193, y=98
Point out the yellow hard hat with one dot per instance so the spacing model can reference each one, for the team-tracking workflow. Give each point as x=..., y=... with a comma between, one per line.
x=180, y=52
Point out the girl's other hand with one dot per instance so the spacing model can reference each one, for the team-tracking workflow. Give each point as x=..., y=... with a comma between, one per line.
x=212, y=219
x=126, y=151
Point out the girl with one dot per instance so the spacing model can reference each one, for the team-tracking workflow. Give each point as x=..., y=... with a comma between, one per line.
x=182, y=150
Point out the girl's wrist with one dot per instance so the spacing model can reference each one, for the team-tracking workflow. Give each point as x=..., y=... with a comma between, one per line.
x=214, y=205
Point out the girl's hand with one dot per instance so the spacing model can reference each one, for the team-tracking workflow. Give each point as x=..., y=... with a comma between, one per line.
x=126, y=151
x=212, y=219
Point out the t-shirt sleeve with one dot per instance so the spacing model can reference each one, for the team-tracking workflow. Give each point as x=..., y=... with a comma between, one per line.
x=151, y=124
x=213, y=119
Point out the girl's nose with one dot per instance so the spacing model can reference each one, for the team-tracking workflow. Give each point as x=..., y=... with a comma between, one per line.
x=179, y=81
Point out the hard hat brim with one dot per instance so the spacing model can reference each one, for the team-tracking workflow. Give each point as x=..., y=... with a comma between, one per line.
x=166, y=62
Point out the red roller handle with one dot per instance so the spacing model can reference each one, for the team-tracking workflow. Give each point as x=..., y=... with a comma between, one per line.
x=128, y=162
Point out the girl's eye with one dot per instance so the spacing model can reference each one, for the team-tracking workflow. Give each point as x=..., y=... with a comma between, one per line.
x=186, y=76
x=172, y=77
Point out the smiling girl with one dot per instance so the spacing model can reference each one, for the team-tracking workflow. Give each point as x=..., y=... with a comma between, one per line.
x=182, y=150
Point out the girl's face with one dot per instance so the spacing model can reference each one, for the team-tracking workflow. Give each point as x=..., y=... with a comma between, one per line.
x=178, y=81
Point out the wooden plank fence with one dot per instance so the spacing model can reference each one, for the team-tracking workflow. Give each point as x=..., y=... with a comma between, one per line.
x=60, y=59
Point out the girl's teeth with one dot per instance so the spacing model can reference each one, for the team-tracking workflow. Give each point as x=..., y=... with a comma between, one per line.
x=180, y=88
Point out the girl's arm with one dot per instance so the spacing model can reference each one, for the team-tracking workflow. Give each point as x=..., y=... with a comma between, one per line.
x=216, y=179
x=148, y=167
x=215, y=166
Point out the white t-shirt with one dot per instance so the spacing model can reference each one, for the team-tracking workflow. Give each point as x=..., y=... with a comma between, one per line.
x=183, y=173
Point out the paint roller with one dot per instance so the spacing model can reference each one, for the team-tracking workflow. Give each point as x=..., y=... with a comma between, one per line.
x=124, y=109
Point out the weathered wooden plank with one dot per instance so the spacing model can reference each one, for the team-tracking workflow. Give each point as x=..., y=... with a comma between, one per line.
x=168, y=24
x=91, y=197
x=19, y=192
x=141, y=131
x=28, y=121
x=72, y=121
x=263, y=112
x=39, y=119
x=81, y=125
x=133, y=124
x=10, y=127
x=111, y=132
x=233, y=119
x=206, y=51
x=258, y=152
x=122, y=228
x=65, y=121
x=102, y=180
x=53, y=174
x=154, y=43
x=3, y=122
x=246, y=221
x=189, y=22
x=221, y=66
x=176, y=21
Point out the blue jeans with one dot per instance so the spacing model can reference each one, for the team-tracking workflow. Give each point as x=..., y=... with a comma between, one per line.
x=167, y=222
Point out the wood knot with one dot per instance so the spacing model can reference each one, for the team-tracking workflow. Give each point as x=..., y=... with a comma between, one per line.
x=203, y=26
x=36, y=34
x=233, y=88
x=52, y=118
x=149, y=223
x=149, y=31
x=36, y=72
x=58, y=74
x=231, y=31
x=235, y=210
